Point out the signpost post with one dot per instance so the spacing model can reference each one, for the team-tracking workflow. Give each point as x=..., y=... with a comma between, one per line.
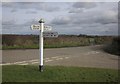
x=43, y=28
x=41, y=44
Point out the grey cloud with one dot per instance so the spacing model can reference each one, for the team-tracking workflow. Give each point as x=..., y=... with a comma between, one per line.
x=86, y=5
x=30, y=22
x=10, y=27
x=107, y=17
x=79, y=7
x=49, y=7
x=74, y=10
x=106, y=21
x=0, y=4
x=61, y=20
x=10, y=22
x=14, y=10
x=102, y=20
x=31, y=12
x=87, y=18
x=19, y=5
x=119, y=12
x=90, y=17
x=90, y=29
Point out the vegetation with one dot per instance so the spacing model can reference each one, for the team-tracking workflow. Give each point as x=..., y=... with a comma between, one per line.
x=28, y=73
x=114, y=46
x=32, y=41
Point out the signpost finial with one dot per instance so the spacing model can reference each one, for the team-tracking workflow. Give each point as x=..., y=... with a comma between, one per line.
x=41, y=20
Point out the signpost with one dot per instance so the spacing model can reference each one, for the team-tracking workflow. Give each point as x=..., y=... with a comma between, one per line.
x=50, y=34
x=37, y=27
x=43, y=28
x=47, y=28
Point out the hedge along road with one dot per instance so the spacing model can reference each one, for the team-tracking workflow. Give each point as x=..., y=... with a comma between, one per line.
x=89, y=56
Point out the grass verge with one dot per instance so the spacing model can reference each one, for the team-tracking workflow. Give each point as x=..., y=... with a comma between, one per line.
x=37, y=47
x=30, y=73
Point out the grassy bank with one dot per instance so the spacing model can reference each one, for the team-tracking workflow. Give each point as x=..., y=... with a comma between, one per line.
x=45, y=46
x=16, y=73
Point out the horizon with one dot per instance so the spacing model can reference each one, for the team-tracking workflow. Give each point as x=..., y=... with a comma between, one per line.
x=66, y=35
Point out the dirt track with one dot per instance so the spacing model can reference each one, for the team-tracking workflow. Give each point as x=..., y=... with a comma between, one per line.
x=90, y=56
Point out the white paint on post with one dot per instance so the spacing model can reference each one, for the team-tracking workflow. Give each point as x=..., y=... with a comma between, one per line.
x=41, y=44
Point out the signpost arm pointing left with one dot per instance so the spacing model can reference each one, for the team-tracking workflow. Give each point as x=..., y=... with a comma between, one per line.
x=41, y=21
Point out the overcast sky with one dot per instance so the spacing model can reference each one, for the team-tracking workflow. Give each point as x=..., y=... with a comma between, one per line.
x=92, y=18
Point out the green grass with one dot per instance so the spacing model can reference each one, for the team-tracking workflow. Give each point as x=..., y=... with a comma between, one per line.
x=20, y=47
x=45, y=46
x=30, y=73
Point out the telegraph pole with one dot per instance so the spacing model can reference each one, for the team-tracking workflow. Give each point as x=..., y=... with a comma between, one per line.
x=41, y=21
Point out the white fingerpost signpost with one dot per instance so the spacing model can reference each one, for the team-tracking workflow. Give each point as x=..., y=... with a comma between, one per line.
x=43, y=34
x=41, y=44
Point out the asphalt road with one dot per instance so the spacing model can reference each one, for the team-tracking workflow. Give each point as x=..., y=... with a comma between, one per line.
x=89, y=56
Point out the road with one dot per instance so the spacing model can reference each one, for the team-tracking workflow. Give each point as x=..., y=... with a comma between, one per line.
x=89, y=56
